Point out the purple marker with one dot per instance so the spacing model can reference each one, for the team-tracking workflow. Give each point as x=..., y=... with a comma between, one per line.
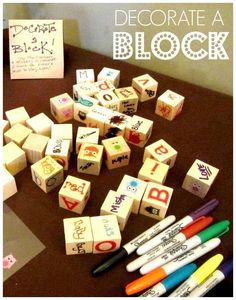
x=178, y=226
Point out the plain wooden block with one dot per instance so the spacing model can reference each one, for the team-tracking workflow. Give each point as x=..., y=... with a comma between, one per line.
x=200, y=178
x=59, y=150
x=108, y=99
x=64, y=132
x=84, y=89
x=74, y=194
x=34, y=147
x=62, y=107
x=89, y=160
x=85, y=75
x=161, y=151
x=145, y=87
x=154, y=171
x=117, y=152
x=128, y=100
x=14, y=158
x=103, y=85
x=106, y=234
x=86, y=135
x=18, y=133
x=47, y=173
x=17, y=115
x=6, y=125
x=169, y=105
x=115, y=125
x=40, y=124
x=9, y=184
x=156, y=201
x=109, y=74
x=117, y=204
x=134, y=188
x=78, y=235
x=82, y=107
x=138, y=131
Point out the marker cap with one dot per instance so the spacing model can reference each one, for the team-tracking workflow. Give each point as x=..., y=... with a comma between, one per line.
x=205, y=209
x=196, y=226
x=227, y=267
x=215, y=230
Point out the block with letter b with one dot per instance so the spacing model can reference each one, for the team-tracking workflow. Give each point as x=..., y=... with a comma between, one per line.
x=62, y=107
x=86, y=135
x=154, y=171
x=82, y=107
x=17, y=115
x=115, y=125
x=109, y=74
x=14, y=158
x=84, y=75
x=40, y=124
x=59, y=150
x=108, y=99
x=145, y=87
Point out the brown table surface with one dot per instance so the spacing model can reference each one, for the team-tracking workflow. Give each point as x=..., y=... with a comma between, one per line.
x=203, y=131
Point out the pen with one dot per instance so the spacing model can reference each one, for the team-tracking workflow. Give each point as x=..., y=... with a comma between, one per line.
x=170, y=282
x=215, y=230
x=219, y=275
x=198, y=276
x=131, y=246
x=185, y=234
x=160, y=273
x=178, y=226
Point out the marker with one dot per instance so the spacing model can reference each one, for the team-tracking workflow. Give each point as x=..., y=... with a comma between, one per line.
x=170, y=282
x=215, y=230
x=130, y=247
x=185, y=234
x=198, y=276
x=178, y=226
x=160, y=273
x=219, y=275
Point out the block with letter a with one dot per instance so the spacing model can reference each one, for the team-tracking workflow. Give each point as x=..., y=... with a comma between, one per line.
x=145, y=86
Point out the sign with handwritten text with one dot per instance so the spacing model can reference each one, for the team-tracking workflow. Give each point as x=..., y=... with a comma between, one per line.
x=36, y=49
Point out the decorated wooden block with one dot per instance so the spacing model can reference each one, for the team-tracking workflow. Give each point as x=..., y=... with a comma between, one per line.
x=103, y=85
x=64, y=132
x=117, y=204
x=115, y=125
x=74, y=194
x=17, y=115
x=78, y=235
x=106, y=234
x=40, y=124
x=82, y=106
x=169, y=105
x=161, y=151
x=200, y=178
x=84, y=75
x=138, y=131
x=89, y=160
x=14, y=158
x=108, y=99
x=109, y=74
x=59, y=150
x=84, y=89
x=134, y=188
x=47, y=173
x=6, y=125
x=62, y=107
x=117, y=152
x=145, y=87
x=154, y=171
x=156, y=201
x=18, y=133
x=128, y=100
x=34, y=147
x=86, y=135
x=9, y=184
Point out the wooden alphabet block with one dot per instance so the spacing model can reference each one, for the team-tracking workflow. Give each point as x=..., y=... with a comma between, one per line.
x=17, y=115
x=134, y=188
x=200, y=178
x=64, y=132
x=115, y=125
x=154, y=171
x=103, y=85
x=6, y=125
x=86, y=135
x=82, y=107
x=169, y=105
x=110, y=74
x=117, y=204
x=59, y=150
x=84, y=75
x=78, y=235
x=9, y=184
x=47, y=173
x=62, y=107
x=84, y=89
x=18, y=133
x=128, y=100
x=138, y=131
x=34, y=147
x=161, y=151
x=14, y=158
x=108, y=99
x=74, y=194
x=89, y=159
x=145, y=87
x=106, y=234
x=156, y=201
x=40, y=124
x=117, y=152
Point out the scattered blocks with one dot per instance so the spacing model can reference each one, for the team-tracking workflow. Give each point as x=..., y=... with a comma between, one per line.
x=40, y=124
x=17, y=115
x=153, y=171
x=9, y=184
x=84, y=75
x=156, y=201
x=117, y=204
x=128, y=100
x=18, y=133
x=64, y=132
x=145, y=87
x=84, y=89
x=59, y=150
x=62, y=107
x=169, y=105
x=108, y=99
x=6, y=125
x=200, y=178
x=109, y=74
x=82, y=106
x=14, y=158
x=86, y=135
x=115, y=125
x=47, y=173
x=103, y=85
x=74, y=194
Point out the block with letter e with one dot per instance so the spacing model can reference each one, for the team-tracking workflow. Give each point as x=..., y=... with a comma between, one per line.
x=154, y=171
x=128, y=100
x=62, y=107
x=145, y=86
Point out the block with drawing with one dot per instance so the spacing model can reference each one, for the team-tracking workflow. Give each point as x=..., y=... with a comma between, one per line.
x=18, y=133
x=84, y=89
x=115, y=125
x=109, y=74
x=86, y=135
x=103, y=85
x=85, y=75
x=128, y=100
x=59, y=150
x=145, y=86
x=62, y=107
x=64, y=132
x=40, y=124
x=82, y=107
x=17, y=115
x=108, y=99
x=9, y=184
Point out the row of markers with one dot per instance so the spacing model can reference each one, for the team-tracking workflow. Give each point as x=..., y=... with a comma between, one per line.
x=166, y=255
